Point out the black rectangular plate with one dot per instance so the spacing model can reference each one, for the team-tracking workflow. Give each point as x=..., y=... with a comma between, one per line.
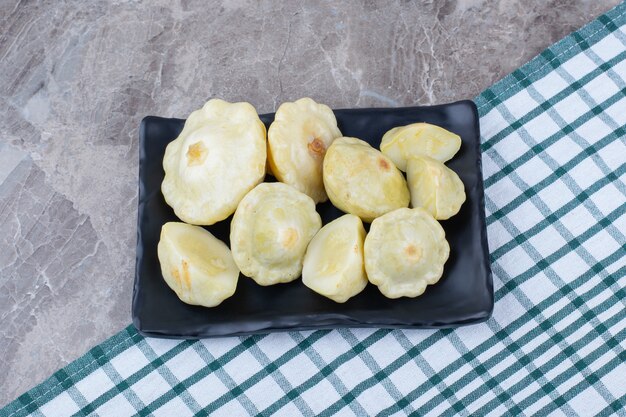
x=464, y=295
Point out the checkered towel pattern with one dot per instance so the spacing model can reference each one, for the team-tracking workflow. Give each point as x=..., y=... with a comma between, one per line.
x=554, y=162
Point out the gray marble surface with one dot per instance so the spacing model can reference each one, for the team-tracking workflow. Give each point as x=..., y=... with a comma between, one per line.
x=77, y=77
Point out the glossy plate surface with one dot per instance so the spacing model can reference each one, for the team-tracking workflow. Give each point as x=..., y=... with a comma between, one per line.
x=464, y=295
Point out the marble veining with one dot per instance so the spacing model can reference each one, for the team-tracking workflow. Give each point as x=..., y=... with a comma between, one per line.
x=77, y=77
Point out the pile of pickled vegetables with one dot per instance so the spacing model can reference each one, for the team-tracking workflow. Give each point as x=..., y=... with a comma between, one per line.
x=216, y=167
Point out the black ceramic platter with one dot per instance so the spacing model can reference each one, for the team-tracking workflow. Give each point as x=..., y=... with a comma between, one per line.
x=464, y=295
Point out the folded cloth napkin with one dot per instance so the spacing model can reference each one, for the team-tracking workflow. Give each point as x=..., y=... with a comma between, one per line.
x=554, y=162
